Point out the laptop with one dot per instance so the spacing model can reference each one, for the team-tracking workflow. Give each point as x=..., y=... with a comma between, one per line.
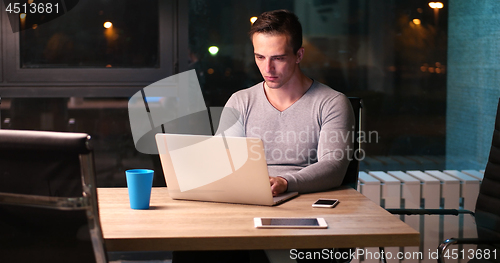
x=217, y=169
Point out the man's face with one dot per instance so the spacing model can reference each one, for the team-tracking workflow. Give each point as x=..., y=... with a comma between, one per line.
x=275, y=58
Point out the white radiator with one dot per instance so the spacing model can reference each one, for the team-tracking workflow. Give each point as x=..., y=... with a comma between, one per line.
x=425, y=189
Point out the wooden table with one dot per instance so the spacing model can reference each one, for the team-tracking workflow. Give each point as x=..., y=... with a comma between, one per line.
x=192, y=225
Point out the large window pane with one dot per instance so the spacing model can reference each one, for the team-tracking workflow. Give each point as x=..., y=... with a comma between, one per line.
x=392, y=54
x=105, y=119
x=79, y=39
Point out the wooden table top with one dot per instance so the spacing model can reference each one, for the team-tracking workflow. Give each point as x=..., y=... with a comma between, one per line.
x=192, y=225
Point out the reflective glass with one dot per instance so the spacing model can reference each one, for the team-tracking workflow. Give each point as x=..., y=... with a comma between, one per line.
x=392, y=54
x=83, y=39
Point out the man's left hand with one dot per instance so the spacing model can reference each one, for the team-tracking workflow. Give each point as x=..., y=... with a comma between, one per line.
x=278, y=185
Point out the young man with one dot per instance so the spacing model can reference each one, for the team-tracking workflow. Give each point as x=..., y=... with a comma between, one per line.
x=306, y=126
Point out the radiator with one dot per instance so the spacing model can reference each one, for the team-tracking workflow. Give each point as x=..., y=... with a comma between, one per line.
x=425, y=189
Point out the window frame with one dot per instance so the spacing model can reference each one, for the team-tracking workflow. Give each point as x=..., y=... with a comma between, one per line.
x=1, y=44
x=87, y=82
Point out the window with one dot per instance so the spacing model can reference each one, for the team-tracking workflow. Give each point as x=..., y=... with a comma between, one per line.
x=392, y=54
x=60, y=57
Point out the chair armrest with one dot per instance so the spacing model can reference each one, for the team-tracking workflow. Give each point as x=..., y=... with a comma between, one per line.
x=51, y=202
x=456, y=241
x=429, y=211
x=45, y=141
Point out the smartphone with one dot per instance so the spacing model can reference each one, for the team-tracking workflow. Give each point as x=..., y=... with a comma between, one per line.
x=278, y=222
x=326, y=203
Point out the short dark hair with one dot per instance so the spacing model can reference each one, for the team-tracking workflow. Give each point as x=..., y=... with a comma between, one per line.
x=279, y=22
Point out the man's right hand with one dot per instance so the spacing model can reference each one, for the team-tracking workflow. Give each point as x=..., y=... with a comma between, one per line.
x=278, y=185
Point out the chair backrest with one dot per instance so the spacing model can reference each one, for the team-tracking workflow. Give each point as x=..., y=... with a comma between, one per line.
x=48, y=199
x=351, y=176
x=488, y=202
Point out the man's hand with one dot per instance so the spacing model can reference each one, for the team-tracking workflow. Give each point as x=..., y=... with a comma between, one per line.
x=278, y=185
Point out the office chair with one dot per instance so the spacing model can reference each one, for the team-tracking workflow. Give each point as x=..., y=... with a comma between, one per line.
x=351, y=176
x=48, y=199
x=487, y=212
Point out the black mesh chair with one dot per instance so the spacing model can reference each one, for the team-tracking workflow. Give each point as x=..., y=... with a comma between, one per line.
x=351, y=176
x=48, y=200
x=486, y=214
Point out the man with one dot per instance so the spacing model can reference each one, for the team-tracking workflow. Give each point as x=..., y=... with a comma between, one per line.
x=306, y=127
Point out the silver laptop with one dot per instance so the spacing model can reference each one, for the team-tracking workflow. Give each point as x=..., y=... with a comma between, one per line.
x=216, y=168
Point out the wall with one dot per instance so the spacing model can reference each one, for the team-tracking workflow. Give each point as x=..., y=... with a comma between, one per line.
x=473, y=87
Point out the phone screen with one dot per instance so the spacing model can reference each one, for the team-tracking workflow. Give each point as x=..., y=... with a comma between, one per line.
x=290, y=222
x=326, y=202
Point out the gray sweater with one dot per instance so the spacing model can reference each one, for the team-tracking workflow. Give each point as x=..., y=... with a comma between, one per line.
x=308, y=143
